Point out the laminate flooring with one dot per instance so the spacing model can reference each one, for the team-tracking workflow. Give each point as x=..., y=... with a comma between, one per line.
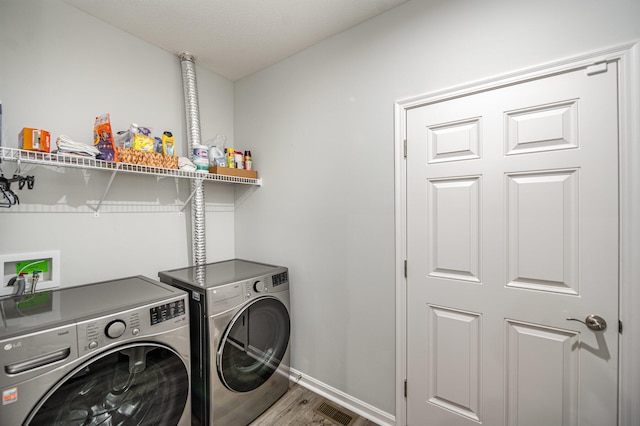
x=296, y=408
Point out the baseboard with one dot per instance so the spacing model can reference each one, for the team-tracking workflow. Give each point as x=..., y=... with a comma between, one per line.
x=347, y=401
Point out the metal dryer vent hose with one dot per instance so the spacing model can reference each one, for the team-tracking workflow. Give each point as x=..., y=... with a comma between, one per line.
x=192, y=111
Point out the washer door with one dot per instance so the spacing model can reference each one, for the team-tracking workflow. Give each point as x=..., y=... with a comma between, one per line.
x=253, y=344
x=137, y=384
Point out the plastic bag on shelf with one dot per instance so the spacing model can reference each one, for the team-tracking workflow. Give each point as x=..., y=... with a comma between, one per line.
x=103, y=138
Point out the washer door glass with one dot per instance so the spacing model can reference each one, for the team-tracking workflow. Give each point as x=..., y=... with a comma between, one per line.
x=253, y=344
x=131, y=385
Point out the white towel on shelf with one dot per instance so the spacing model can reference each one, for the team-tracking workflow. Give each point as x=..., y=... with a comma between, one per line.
x=67, y=146
x=185, y=164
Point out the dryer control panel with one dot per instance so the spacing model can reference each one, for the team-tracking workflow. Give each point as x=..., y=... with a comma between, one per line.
x=266, y=284
x=280, y=279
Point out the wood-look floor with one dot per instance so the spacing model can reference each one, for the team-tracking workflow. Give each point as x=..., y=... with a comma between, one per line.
x=295, y=408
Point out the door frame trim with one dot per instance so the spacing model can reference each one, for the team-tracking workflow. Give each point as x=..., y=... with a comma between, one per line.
x=628, y=59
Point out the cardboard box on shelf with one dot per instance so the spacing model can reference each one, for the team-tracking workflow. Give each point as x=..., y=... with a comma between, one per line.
x=228, y=171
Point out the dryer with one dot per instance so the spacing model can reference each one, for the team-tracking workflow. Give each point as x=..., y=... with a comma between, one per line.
x=241, y=328
x=114, y=352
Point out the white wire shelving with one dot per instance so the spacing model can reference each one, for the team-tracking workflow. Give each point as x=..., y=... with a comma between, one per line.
x=73, y=161
x=88, y=163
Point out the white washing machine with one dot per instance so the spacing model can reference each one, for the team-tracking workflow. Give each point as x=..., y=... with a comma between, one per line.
x=110, y=353
x=240, y=338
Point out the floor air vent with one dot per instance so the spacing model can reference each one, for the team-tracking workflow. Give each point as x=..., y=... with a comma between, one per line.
x=334, y=413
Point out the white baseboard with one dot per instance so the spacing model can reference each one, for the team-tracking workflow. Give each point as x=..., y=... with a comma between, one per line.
x=347, y=401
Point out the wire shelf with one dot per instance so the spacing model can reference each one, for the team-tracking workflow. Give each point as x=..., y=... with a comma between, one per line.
x=79, y=162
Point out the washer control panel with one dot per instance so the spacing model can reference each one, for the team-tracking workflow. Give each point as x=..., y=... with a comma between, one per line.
x=258, y=286
x=117, y=328
x=167, y=312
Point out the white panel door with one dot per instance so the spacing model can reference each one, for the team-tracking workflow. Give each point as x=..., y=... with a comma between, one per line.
x=512, y=227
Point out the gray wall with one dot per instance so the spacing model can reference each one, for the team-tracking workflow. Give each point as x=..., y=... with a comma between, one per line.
x=321, y=127
x=59, y=69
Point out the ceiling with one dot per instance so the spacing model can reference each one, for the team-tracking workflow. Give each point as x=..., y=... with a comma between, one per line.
x=234, y=38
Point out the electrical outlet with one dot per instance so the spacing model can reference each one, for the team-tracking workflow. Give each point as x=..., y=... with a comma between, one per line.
x=46, y=262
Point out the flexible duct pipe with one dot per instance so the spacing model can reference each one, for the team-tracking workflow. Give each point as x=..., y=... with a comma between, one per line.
x=192, y=111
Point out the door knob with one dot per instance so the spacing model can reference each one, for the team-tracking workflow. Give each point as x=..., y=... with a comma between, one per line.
x=594, y=322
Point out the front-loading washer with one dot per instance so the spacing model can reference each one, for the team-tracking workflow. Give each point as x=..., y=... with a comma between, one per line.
x=240, y=338
x=109, y=353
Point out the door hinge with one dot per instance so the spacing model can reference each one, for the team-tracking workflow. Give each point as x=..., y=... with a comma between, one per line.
x=619, y=326
x=405, y=268
x=597, y=68
x=405, y=148
x=405, y=388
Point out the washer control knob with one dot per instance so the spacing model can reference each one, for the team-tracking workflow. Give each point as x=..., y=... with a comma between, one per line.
x=258, y=286
x=93, y=344
x=115, y=329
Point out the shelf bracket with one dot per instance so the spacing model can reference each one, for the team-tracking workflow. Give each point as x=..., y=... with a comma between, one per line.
x=186, y=203
x=198, y=184
x=96, y=209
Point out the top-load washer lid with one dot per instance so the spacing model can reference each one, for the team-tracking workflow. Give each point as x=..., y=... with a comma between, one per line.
x=54, y=308
x=218, y=273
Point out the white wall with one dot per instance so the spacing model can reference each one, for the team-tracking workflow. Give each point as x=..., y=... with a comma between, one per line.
x=59, y=69
x=320, y=126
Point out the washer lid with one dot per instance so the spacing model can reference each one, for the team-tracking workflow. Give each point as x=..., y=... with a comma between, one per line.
x=218, y=273
x=48, y=309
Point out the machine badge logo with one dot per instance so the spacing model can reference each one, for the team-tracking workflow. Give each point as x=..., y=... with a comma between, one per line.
x=10, y=346
x=9, y=396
